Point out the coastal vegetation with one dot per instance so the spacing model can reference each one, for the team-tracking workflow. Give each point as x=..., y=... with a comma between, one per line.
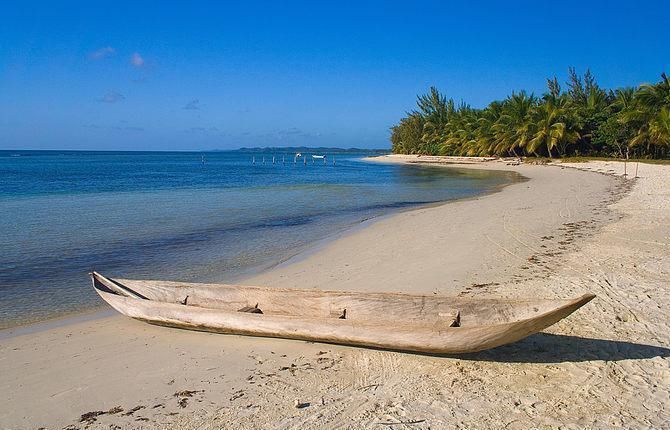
x=583, y=119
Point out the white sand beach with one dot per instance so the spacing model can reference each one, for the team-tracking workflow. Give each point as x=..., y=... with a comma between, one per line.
x=569, y=229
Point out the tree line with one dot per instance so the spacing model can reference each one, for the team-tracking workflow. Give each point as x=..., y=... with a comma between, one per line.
x=582, y=120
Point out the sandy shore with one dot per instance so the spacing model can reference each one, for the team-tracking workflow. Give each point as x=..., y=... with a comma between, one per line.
x=564, y=232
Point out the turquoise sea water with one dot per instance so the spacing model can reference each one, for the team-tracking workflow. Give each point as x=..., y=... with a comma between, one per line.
x=186, y=216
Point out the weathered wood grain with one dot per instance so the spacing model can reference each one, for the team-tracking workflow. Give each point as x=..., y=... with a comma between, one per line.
x=430, y=324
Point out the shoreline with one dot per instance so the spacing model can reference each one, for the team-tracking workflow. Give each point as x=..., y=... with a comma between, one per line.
x=102, y=310
x=317, y=246
x=533, y=174
x=556, y=235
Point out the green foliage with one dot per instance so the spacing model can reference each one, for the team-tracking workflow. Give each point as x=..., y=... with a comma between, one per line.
x=582, y=120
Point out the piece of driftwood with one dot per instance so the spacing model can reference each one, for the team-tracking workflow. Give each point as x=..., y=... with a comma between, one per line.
x=431, y=324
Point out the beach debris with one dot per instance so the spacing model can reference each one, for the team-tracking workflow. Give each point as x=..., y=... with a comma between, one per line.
x=402, y=423
x=329, y=362
x=236, y=395
x=368, y=387
x=251, y=309
x=91, y=417
x=293, y=368
x=486, y=284
x=300, y=405
x=133, y=410
x=187, y=393
x=183, y=396
x=258, y=358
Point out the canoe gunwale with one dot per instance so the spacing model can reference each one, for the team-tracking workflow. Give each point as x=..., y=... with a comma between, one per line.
x=394, y=335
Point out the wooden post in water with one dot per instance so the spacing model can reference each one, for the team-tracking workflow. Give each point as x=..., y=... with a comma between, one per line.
x=304, y=159
x=283, y=159
x=253, y=159
x=264, y=159
x=333, y=160
x=273, y=159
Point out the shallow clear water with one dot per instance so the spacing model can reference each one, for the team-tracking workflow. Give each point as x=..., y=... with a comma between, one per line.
x=172, y=216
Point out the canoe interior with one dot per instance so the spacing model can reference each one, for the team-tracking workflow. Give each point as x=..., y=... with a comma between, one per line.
x=395, y=308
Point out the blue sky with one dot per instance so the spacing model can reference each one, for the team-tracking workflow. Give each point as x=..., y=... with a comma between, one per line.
x=156, y=76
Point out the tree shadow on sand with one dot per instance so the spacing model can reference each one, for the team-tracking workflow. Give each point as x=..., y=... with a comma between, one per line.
x=555, y=348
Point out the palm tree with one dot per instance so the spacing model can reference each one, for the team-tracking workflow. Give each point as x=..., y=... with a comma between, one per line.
x=656, y=132
x=484, y=130
x=584, y=118
x=655, y=96
x=551, y=130
x=624, y=98
x=650, y=114
x=659, y=129
x=512, y=130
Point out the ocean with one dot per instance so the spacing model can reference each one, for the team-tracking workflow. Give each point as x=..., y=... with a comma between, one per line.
x=194, y=216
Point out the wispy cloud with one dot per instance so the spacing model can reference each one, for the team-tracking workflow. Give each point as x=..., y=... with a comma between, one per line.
x=201, y=130
x=130, y=128
x=290, y=131
x=293, y=132
x=112, y=97
x=101, y=53
x=137, y=60
x=192, y=105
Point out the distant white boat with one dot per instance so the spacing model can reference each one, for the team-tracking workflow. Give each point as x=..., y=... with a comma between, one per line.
x=319, y=157
x=297, y=154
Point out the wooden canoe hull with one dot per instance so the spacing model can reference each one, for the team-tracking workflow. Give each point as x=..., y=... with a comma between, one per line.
x=416, y=336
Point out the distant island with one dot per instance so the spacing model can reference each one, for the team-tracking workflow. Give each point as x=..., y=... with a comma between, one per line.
x=320, y=149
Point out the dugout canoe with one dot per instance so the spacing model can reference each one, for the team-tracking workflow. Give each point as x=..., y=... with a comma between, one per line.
x=406, y=322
